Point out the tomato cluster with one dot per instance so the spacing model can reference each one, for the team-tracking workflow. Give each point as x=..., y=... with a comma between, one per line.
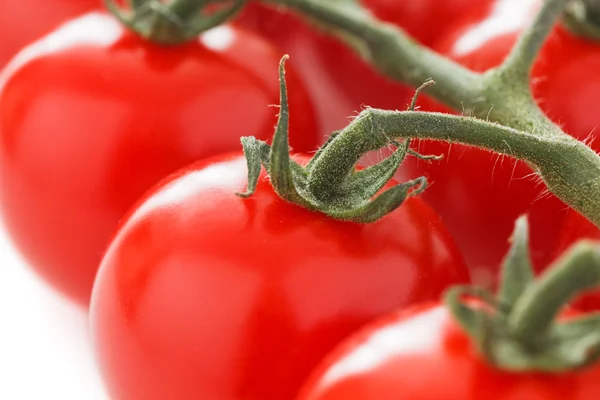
x=121, y=171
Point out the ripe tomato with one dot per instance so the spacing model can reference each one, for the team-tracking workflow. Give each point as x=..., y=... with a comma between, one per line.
x=427, y=20
x=23, y=21
x=478, y=194
x=205, y=295
x=423, y=354
x=91, y=116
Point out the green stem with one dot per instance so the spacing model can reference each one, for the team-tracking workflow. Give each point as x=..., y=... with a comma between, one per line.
x=520, y=61
x=569, y=168
x=578, y=270
x=391, y=51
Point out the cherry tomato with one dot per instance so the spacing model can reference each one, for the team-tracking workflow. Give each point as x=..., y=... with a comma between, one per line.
x=23, y=21
x=479, y=194
x=91, y=116
x=205, y=295
x=422, y=354
x=427, y=20
x=339, y=81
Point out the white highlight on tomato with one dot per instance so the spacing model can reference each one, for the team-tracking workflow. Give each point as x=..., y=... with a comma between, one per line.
x=219, y=38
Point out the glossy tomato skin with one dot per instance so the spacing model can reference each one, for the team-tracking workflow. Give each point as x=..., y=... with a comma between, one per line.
x=205, y=295
x=91, y=117
x=422, y=354
x=24, y=21
x=479, y=194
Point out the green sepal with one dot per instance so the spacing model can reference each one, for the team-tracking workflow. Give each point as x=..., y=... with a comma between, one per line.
x=256, y=153
x=373, y=210
x=368, y=182
x=355, y=198
x=175, y=22
x=517, y=272
x=519, y=330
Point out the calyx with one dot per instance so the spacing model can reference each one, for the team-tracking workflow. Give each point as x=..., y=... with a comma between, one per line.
x=518, y=329
x=176, y=21
x=350, y=194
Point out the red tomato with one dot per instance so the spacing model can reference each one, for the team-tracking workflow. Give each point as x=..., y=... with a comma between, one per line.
x=478, y=194
x=339, y=81
x=91, y=116
x=423, y=354
x=23, y=21
x=427, y=20
x=205, y=295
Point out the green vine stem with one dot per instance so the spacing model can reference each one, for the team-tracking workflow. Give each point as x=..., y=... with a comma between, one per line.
x=176, y=21
x=569, y=168
x=520, y=329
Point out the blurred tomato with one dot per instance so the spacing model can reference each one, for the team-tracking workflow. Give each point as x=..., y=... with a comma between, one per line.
x=92, y=116
x=428, y=20
x=23, y=21
x=339, y=81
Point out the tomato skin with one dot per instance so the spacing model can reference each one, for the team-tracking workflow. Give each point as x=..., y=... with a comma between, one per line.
x=23, y=21
x=418, y=17
x=422, y=354
x=91, y=117
x=205, y=295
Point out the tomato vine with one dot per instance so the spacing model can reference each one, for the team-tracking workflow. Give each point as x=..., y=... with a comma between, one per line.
x=570, y=169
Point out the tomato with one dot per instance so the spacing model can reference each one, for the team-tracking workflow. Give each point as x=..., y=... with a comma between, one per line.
x=423, y=354
x=92, y=116
x=427, y=20
x=479, y=194
x=205, y=295
x=339, y=81
x=23, y=21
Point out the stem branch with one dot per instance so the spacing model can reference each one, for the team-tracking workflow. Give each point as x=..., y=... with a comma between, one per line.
x=569, y=168
x=519, y=62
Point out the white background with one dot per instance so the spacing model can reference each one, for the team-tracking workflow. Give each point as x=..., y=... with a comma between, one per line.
x=45, y=351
